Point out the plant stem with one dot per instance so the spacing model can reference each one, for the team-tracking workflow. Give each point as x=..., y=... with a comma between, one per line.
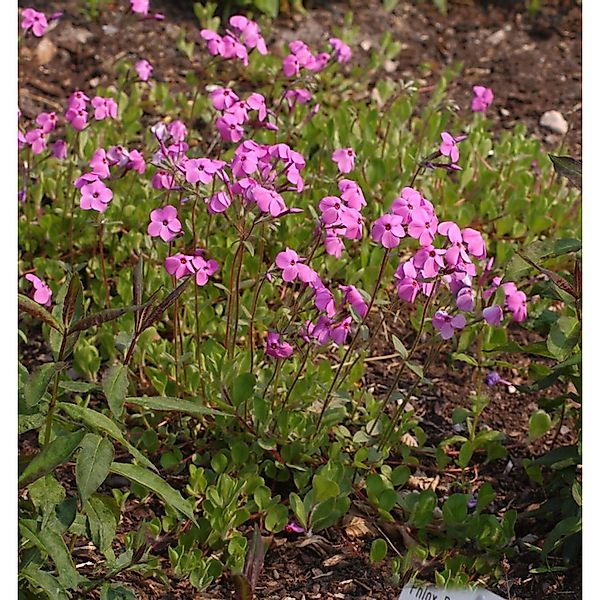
x=52, y=406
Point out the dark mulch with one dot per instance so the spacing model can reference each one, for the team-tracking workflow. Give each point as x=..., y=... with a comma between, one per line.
x=533, y=65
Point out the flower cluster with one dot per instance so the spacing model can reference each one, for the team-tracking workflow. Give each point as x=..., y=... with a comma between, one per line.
x=482, y=98
x=182, y=265
x=235, y=113
x=301, y=57
x=242, y=37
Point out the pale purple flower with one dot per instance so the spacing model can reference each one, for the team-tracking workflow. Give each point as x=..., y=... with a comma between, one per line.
x=143, y=69
x=354, y=298
x=446, y=324
x=388, y=230
x=140, y=7
x=342, y=52
x=104, y=108
x=34, y=21
x=448, y=147
x=59, y=149
x=293, y=527
x=229, y=128
x=430, y=260
x=276, y=347
x=325, y=301
x=465, y=299
x=42, y=293
x=331, y=208
x=517, y=305
x=164, y=223
x=493, y=378
x=95, y=196
x=218, y=203
x=333, y=245
x=493, y=315
x=344, y=158
x=339, y=332
x=99, y=164
x=482, y=98
x=78, y=99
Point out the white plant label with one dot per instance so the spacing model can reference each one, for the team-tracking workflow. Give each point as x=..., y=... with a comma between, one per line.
x=416, y=592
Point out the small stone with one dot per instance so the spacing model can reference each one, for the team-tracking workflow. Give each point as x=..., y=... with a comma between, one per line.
x=366, y=45
x=109, y=29
x=497, y=37
x=389, y=66
x=555, y=122
x=504, y=112
x=45, y=51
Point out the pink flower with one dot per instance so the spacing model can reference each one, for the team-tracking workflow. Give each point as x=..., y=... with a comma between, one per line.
x=164, y=223
x=47, y=121
x=277, y=348
x=408, y=201
x=423, y=226
x=297, y=96
x=331, y=208
x=36, y=138
x=292, y=267
x=293, y=527
x=342, y=52
x=268, y=201
x=333, y=245
x=388, y=230
x=352, y=221
x=516, y=303
x=42, y=293
x=136, y=162
x=493, y=315
x=59, y=149
x=204, y=269
x=104, y=108
x=482, y=98
x=223, y=98
x=201, y=169
x=344, y=158
x=448, y=147
x=35, y=21
x=430, y=260
x=354, y=298
x=140, y=7
x=144, y=69
x=474, y=241
x=229, y=128
x=95, y=196
x=352, y=195
x=178, y=131
x=179, y=265
x=244, y=163
x=339, y=332
x=76, y=117
x=465, y=300
x=99, y=164
x=78, y=100
x=218, y=203
x=446, y=324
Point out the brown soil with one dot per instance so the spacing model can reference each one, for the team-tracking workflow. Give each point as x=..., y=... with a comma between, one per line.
x=533, y=66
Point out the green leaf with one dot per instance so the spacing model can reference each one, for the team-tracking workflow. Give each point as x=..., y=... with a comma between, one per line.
x=58, y=552
x=55, y=453
x=102, y=423
x=485, y=495
x=276, y=518
x=103, y=316
x=243, y=388
x=298, y=509
x=155, y=483
x=462, y=357
x=422, y=513
x=73, y=300
x=465, y=454
x=539, y=424
x=102, y=519
x=36, y=385
x=325, y=488
x=93, y=464
x=38, y=312
x=455, y=509
x=378, y=550
x=113, y=591
x=399, y=347
x=269, y=7
x=46, y=582
x=564, y=336
x=114, y=385
x=46, y=493
x=568, y=167
x=174, y=404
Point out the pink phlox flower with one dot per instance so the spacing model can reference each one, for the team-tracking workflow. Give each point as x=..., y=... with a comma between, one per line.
x=117, y=156
x=21, y=139
x=268, y=201
x=36, y=138
x=99, y=164
x=388, y=230
x=331, y=208
x=34, y=21
x=351, y=194
x=482, y=98
x=344, y=158
x=204, y=269
x=249, y=33
x=136, y=162
x=85, y=179
x=257, y=102
x=180, y=265
x=104, y=108
x=276, y=347
x=516, y=302
x=403, y=206
x=334, y=246
x=355, y=299
x=297, y=96
x=319, y=62
x=77, y=117
x=214, y=42
x=95, y=196
x=493, y=287
x=42, y=293
x=47, y=121
x=292, y=267
x=318, y=332
x=291, y=66
x=223, y=98
x=218, y=202
x=163, y=180
x=448, y=147
x=474, y=241
x=144, y=69
x=229, y=128
x=407, y=285
x=59, y=149
x=446, y=324
x=429, y=260
x=244, y=164
x=465, y=299
x=325, y=301
x=493, y=315
x=422, y=226
x=339, y=332
x=140, y=7
x=201, y=170
x=178, y=131
x=232, y=48
x=353, y=222
x=78, y=99
x=164, y=223
x=342, y=52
